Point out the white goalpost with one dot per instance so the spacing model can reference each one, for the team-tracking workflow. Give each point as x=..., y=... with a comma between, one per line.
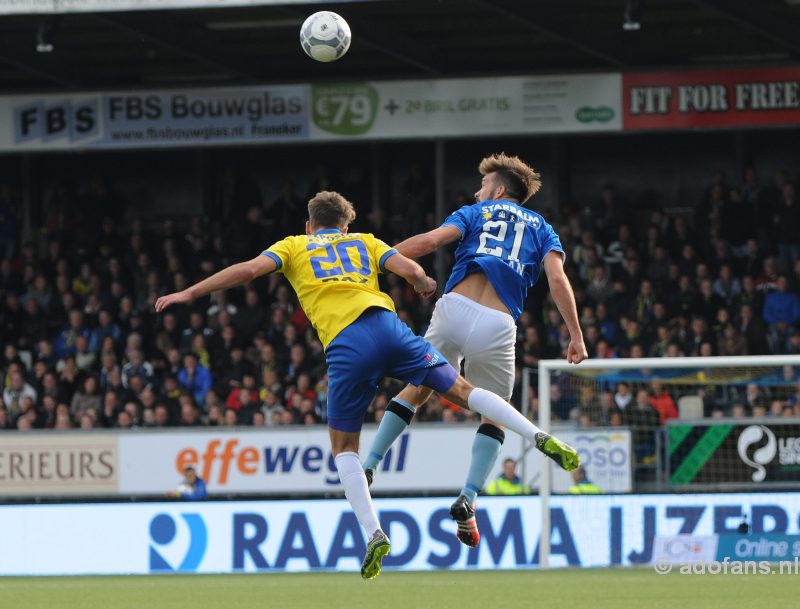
x=711, y=383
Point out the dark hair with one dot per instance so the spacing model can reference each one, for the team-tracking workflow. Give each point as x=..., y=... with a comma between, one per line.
x=328, y=209
x=519, y=178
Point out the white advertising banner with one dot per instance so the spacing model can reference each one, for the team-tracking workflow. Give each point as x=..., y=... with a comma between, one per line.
x=605, y=454
x=428, y=458
x=229, y=537
x=294, y=460
x=290, y=113
x=23, y=7
x=512, y=105
x=685, y=549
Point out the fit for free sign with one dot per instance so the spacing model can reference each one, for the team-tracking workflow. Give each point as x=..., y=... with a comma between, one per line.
x=711, y=98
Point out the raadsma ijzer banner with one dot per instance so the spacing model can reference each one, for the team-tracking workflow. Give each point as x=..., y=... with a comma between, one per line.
x=230, y=537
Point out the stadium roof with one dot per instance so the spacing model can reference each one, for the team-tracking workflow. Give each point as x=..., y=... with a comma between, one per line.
x=391, y=39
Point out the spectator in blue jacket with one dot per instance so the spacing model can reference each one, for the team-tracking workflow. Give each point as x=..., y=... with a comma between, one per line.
x=781, y=311
x=137, y=366
x=65, y=343
x=195, y=377
x=193, y=487
x=105, y=327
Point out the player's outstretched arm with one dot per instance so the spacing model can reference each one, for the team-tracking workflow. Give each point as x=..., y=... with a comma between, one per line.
x=413, y=273
x=425, y=243
x=229, y=277
x=561, y=290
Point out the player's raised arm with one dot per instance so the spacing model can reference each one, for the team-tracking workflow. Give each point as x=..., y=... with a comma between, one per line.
x=413, y=273
x=229, y=277
x=564, y=298
x=425, y=243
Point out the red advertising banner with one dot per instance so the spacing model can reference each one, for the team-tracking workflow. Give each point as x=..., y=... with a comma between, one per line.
x=711, y=98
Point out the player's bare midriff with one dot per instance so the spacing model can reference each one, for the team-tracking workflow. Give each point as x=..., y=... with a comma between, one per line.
x=477, y=287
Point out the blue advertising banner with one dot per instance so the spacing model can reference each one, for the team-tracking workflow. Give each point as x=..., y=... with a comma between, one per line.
x=769, y=547
x=228, y=537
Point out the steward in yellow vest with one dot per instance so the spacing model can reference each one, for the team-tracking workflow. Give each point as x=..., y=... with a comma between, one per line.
x=582, y=485
x=508, y=483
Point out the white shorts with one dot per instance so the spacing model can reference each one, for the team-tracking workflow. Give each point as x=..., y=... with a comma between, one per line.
x=483, y=338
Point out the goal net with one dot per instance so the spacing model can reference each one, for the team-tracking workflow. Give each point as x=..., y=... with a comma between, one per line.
x=663, y=425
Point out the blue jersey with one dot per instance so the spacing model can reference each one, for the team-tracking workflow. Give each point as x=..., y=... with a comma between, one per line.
x=507, y=243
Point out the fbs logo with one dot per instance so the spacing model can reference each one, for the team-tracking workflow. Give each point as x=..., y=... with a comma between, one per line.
x=75, y=121
x=754, y=434
x=164, y=535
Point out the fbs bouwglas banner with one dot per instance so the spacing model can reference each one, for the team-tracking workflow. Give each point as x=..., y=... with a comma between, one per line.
x=712, y=98
x=154, y=118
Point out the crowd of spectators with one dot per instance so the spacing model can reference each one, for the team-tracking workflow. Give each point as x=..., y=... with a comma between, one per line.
x=722, y=279
x=83, y=348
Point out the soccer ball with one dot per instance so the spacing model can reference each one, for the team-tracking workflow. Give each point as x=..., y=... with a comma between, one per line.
x=325, y=36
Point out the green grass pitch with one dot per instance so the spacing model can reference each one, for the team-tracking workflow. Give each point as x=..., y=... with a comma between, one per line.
x=556, y=589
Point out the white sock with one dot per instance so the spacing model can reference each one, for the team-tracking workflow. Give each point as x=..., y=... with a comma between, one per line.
x=498, y=410
x=356, y=490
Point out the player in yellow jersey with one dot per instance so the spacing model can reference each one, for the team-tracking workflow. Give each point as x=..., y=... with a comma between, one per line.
x=335, y=275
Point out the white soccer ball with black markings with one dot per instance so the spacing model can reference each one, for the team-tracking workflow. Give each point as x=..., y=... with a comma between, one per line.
x=325, y=36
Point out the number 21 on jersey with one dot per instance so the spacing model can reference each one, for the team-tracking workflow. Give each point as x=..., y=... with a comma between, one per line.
x=492, y=241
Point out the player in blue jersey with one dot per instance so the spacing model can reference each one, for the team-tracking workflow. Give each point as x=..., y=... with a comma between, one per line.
x=335, y=275
x=503, y=249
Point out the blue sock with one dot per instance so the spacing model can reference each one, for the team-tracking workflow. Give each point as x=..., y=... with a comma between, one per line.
x=485, y=450
x=397, y=417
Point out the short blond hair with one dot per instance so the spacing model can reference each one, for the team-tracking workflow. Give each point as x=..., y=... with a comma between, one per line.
x=519, y=178
x=329, y=209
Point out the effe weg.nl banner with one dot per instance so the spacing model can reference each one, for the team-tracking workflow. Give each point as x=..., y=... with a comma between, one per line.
x=711, y=98
x=294, y=461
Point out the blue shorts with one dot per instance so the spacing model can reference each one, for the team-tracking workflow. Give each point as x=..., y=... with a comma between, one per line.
x=376, y=345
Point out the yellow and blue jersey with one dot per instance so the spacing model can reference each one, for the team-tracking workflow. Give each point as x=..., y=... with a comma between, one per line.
x=335, y=276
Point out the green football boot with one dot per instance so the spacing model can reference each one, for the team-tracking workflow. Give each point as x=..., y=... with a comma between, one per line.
x=563, y=454
x=377, y=548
